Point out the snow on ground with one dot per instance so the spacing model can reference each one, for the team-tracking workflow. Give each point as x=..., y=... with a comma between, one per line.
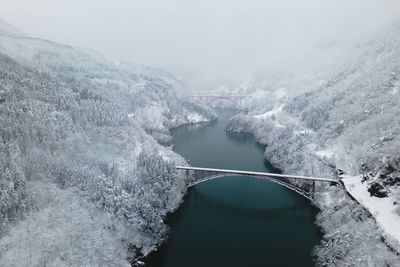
x=328, y=153
x=196, y=118
x=381, y=208
x=269, y=114
x=152, y=116
x=64, y=232
x=395, y=89
x=281, y=93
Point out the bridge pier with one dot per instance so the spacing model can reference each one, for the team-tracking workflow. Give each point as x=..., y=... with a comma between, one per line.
x=313, y=189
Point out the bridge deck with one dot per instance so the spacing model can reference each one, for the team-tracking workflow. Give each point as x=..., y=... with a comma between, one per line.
x=249, y=173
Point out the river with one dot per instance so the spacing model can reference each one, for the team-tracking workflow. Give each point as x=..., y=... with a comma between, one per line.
x=235, y=221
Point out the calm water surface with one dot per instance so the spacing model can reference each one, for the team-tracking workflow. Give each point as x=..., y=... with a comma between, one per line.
x=235, y=221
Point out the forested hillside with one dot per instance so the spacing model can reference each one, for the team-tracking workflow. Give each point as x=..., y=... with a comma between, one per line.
x=343, y=117
x=84, y=179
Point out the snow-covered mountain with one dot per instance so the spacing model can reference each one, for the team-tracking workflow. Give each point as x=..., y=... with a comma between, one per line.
x=342, y=117
x=6, y=28
x=78, y=135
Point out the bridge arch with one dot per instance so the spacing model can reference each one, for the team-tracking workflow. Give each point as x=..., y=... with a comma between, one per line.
x=276, y=181
x=224, y=97
x=302, y=185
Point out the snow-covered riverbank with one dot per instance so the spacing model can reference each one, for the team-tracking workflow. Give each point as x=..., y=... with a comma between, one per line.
x=342, y=117
x=383, y=209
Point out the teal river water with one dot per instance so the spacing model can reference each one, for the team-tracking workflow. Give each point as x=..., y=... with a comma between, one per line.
x=235, y=221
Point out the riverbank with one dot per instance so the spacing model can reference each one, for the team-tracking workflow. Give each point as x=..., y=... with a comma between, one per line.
x=348, y=230
x=253, y=220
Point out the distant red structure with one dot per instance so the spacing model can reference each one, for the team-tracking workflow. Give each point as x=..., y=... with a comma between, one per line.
x=209, y=99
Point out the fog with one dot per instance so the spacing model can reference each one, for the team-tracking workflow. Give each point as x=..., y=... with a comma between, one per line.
x=207, y=42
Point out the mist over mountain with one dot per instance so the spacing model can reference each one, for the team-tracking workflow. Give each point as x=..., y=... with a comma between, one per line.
x=8, y=29
x=89, y=94
x=208, y=43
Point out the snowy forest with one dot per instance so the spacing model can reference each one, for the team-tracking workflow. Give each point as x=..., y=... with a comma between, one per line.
x=84, y=179
x=340, y=121
x=88, y=171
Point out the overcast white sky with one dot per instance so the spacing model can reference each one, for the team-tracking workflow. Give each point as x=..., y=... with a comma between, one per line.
x=210, y=41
